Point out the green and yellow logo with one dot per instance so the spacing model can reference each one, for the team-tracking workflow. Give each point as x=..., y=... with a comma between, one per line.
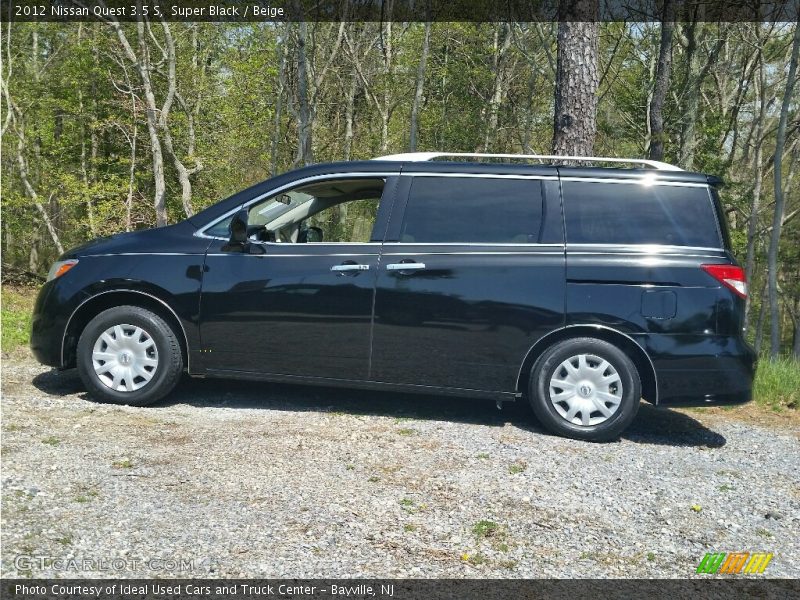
x=734, y=562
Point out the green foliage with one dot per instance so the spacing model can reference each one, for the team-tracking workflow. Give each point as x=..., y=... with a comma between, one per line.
x=777, y=383
x=484, y=529
x=17, y=306
x=517, y=467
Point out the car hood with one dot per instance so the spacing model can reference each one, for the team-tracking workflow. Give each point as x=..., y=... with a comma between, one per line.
x=159, y=239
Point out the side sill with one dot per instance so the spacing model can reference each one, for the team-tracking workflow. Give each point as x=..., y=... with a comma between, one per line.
x=360, y=384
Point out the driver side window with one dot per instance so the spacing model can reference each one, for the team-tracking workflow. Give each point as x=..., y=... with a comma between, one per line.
x=331, y=211
x=349, y=222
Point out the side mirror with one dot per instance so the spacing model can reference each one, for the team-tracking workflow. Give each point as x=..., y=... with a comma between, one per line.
x=238, y=232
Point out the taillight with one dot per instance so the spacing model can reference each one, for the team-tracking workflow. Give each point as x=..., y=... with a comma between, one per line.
x=731, y=276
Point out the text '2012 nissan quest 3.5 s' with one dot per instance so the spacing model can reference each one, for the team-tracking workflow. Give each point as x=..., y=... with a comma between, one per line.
x=582, y=289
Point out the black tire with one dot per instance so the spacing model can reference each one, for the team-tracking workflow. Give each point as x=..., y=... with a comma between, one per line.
x=548, y=414
x=165, y=374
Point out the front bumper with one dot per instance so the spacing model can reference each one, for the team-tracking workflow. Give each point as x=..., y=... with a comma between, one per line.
x=47, y=327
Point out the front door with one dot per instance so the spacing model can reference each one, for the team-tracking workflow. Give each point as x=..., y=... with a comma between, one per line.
x=299, y=300
x=471, y=276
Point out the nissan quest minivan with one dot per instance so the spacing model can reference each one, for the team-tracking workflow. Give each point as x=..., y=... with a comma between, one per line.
x=580, y=288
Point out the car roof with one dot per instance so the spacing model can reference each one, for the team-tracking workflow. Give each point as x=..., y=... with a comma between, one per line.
x=552, y=170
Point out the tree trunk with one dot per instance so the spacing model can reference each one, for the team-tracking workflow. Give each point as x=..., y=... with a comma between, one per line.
x=131, y=176
x=23, y=174
x=33, y=253
x=759, y=337
x=777, y=221
x=758, y=176
x=415, y=106
x=661, y=84
x=525, y=140
x=142, y=64
x=575, y=119
x=183, y=173
x=283, y=50
x=796, y=344
x=442, y=135
x=386, y=110
x=305, y=152
x=85, y=168
x=651, y=77
x=498, y=90
x=93, y=141
x=349, y=114
x=695, y=75
x=686, y=150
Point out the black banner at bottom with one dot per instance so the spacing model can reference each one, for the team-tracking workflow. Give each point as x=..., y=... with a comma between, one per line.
x=400, y=589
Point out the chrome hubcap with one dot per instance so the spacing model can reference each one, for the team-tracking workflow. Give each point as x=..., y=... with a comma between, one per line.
x=586, y=390
x=125, y=358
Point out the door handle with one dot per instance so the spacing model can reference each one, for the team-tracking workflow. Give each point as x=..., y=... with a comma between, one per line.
x=349, y=267
x=409, y=266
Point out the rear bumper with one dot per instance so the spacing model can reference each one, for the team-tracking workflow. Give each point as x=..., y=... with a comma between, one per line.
x=702, y=370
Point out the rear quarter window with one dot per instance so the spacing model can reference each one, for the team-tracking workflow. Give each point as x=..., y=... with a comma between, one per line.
x=633, y=213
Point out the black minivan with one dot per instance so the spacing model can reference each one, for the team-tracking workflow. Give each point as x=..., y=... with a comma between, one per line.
x=581, y=288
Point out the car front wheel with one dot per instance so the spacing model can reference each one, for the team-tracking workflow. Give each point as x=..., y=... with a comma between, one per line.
x=585, y=388
x=129, y=355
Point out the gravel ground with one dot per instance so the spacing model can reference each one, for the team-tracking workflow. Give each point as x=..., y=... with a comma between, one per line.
x=258, y=480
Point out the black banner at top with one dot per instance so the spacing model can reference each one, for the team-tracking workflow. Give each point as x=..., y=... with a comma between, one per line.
x=396, y=10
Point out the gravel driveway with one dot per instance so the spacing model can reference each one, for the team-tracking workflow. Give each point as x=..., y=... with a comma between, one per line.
x=260, y=480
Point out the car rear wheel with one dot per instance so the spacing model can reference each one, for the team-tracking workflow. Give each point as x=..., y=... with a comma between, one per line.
x=585, y=388
x=129, y=355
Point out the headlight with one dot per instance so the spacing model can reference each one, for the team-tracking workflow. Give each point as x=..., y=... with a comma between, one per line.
x=59, y=268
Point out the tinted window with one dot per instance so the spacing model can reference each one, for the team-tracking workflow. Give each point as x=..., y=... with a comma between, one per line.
x=221, y=229
x=473, y=209
x=625, y=213
x=723, y=221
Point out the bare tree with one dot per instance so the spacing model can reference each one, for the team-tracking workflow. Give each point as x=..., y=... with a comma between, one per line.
x=359, y=45
x=415, y=106
x=305, y=145
x=144, y=67
x=758, y=177
x=777, y=221
x=350, y=107
x=309, y=84
x=184, y=173
x=693, y=82
x=661, y=83
x=14, y=118
x=84, y=164
x=502, y=31
x=575, y=118
x=282, y=52
x=387, y=102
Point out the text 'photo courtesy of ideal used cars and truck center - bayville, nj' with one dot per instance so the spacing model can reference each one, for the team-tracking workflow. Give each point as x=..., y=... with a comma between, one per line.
x=400, y=299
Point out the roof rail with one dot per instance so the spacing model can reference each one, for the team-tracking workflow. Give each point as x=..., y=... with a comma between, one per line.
x=427, y=156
